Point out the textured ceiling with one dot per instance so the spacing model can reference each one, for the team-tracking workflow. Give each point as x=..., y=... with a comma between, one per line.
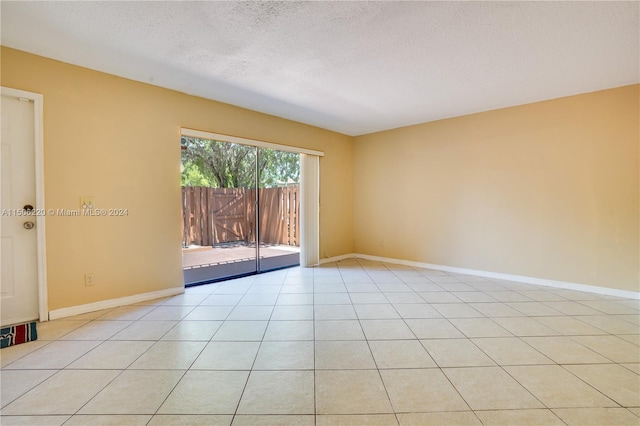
x=352, y=67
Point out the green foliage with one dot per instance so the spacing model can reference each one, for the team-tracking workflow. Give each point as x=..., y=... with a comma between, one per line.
x=229, y=165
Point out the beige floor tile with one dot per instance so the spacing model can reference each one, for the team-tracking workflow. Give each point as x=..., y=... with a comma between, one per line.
x=511, y=351
x=266, y=288
x=32, y=420
x=416, y=310
x=209, y=313
x=474, y=296
x=538, y=417
x=273, y=420
x=55, y=355
x=479, y=327
x=569, y=326
x=185, y=300
x=63, y=393
x=403, y=298
x=597, y=416
x=376, y=311
x=332, y=299
x=227, y=356
x=53, y=330
x=350, y=392
x=222, y=300
x=633, y=367
x=97, y=330
x=190, y=420
x=206, y=392
x=635, y=410
x=490, y=388
x=556, y=387
x=338, y=330
x=612, y=347
x=569, y=307
x=386, y=330
x=534, y=309
x=278, y=392
x=460, y=418
x=285, y=356
x=618, y=383
x=614, y=307
x=145, y=330
x=289, y=330
x=14, y=353
x=356, y=420
x=342, y=355
x=134, y=392
x=496, y=310
x=400, y=354
x=610, y=324
x=297, y=288
x=241, y=331
x=127, y=313
x=258, y=299
x=321, y=288
x=295, y=299
x=169, y=355
x=543, y=295
x=247, y=313
x=409, y=393
x=631, y=338
x=168, y=313
x=14, y=383
x=193, y=330
x=456, y=353
x=433, y=329
x=366, y=286
x=292, y=313
x=457, y=310
x=111, y=355
x=435, y=297
x=368, y=298
x=564, y=350
x=334, y=312
x=108, y=420
x=521, y=326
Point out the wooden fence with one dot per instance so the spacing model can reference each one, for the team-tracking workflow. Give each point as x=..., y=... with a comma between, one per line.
x=221, y=215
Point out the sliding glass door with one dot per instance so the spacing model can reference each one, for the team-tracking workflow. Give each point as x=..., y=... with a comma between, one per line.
x=240, y=210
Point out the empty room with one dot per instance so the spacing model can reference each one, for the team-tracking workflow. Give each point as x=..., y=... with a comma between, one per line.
x=320, y=213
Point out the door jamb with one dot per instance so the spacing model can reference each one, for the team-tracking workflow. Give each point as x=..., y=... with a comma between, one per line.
x=37, y=99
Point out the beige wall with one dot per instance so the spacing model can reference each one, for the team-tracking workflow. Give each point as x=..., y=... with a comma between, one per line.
x=119, y=141
x=546, y=190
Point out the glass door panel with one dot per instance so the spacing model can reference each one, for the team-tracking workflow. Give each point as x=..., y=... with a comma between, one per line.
x=278, y=209
x=218, y=210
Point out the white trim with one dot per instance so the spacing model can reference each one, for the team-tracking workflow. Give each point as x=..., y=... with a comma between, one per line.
x=113, y=303
x=309, y=210
x=338, y=258
x=497, y=275
x=41, y=242
x=243, y=141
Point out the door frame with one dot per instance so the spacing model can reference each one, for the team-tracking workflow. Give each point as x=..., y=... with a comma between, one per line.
x=38, y=124
x=310, y=189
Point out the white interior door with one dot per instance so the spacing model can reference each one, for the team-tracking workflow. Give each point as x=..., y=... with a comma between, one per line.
x=18, y=251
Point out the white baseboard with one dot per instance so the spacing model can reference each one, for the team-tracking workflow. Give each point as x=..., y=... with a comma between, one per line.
x=498, y=275
x=338, y=258
x=113, y=303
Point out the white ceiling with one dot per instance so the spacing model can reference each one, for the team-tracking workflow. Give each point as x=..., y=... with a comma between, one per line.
x=352, y=67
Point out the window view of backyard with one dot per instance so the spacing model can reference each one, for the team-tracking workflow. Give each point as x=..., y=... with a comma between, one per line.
x=240, y=209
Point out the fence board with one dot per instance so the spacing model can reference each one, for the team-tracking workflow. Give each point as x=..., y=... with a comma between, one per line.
x=219, y=215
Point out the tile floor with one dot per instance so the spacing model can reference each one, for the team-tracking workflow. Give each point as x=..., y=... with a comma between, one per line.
x=356, y=342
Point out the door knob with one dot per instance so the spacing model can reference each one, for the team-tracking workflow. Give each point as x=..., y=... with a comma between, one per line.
x=28, y=225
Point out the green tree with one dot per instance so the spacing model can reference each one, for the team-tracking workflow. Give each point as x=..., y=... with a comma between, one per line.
x=229, y=165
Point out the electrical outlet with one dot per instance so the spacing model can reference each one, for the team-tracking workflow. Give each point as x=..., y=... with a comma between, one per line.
x=89, y=279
